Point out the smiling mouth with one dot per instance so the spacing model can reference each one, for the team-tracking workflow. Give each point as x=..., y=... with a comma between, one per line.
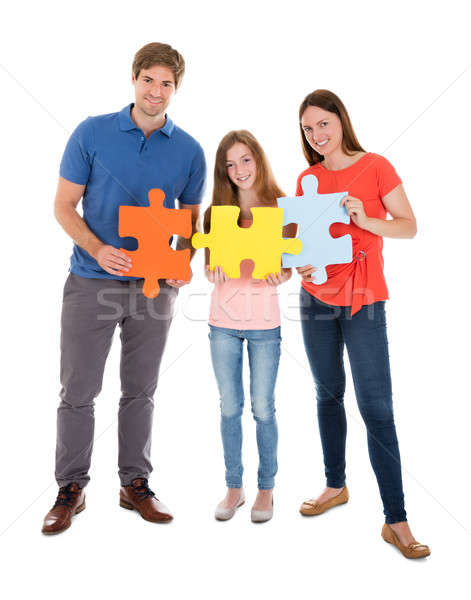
x=244, y=178
x=320, y=144
x=154, y=101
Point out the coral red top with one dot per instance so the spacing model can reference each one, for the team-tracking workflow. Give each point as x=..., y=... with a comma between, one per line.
x=362, y=281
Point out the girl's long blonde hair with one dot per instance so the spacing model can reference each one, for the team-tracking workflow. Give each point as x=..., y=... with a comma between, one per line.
x=225, y=192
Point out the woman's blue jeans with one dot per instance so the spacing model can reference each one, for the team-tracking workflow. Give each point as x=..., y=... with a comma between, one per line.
x=326, y=330
x=264, y=356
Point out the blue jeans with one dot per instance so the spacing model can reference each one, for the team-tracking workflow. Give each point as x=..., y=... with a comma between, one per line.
x=264, y=356
x=326, y=330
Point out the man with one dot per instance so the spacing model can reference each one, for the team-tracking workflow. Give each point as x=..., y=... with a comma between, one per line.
x=114, y=160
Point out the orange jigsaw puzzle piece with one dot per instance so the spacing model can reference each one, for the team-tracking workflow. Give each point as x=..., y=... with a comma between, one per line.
x=153, y=226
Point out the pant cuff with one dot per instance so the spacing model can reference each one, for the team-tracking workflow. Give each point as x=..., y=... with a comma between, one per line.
x=396, y=518
x=130, y=478
x=339, y=483
x=81, y=482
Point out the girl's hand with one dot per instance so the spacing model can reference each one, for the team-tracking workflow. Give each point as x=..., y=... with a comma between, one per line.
x=216, y=276
x=306, y=272
x=356, y=211
x=278, y=278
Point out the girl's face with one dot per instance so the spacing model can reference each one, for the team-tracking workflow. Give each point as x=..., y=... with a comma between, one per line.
x=241, y=167
x=323, y=130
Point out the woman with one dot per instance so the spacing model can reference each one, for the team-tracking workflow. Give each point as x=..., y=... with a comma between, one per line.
x=349, y=309
x=245, y=309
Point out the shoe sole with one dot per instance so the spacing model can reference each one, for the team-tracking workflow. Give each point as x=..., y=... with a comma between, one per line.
x=129, y=506
x=258, y=520
x=317, y=514
x=399, y=550
x=77, y=511
x=229, y=518
x=125, y=504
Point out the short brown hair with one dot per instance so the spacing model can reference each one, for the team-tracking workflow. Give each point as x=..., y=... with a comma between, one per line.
x=156, y=53
x=328, y=101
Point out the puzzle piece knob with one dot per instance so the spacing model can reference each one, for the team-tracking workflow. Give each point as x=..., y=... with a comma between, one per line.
x=309, y=185
x=319, y=276
x=150, y=289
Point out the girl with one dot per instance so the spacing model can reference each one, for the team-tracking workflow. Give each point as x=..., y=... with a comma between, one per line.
x=348, y=309
x=245, y=309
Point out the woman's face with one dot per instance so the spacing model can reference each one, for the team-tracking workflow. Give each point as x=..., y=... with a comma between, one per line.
x=323, y=129
x=241, y=167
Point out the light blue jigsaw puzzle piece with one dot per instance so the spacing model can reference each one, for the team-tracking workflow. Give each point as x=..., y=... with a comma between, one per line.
x=314, y=213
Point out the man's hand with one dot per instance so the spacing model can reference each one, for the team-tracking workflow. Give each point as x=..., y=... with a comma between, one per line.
x=184, y=243
x=112, y=260
x=178, y=283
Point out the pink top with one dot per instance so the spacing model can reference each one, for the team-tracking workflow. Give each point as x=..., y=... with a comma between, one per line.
x=245, y=303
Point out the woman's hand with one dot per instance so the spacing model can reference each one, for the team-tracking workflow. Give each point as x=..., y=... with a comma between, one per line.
x=278, y=278
x=216, y=276
x=356, y=211
x=306, y=272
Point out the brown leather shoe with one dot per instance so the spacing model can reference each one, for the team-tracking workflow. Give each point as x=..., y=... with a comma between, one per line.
x=312, y=507
x=138, y=496
x=70, y=501
x=414, y=550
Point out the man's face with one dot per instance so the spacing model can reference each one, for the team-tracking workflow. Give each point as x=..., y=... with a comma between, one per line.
x=154, y=89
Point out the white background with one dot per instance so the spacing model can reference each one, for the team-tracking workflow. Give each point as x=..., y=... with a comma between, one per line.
x=401, y=69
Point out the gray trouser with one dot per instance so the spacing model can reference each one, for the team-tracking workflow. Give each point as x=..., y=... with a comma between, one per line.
x=90, y=312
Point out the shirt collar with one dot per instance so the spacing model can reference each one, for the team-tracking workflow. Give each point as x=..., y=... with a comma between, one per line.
x=126, y=123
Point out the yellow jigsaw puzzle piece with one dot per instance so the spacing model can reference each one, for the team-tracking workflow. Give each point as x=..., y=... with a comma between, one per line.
x=262, y=242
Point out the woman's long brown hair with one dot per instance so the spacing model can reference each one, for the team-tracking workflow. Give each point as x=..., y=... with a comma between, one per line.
x=225, y=192
x=332, y=103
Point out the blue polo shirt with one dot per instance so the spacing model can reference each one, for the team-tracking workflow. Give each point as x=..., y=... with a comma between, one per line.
x=111, y=156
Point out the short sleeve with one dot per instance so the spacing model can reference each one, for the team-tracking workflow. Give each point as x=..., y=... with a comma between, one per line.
x=194, y=189
x=388, y=179
x=77, y=159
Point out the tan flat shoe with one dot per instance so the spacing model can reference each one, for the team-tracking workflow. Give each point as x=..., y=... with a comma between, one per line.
x=414, y=550
x=312, y=507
